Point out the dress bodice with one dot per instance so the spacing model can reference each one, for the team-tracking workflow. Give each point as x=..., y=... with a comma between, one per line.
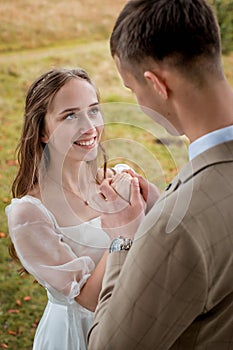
x=86, y=239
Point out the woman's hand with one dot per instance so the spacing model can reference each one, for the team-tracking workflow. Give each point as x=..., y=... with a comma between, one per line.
x=122, y=218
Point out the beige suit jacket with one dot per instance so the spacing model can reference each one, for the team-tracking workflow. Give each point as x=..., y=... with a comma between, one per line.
x=174, y=289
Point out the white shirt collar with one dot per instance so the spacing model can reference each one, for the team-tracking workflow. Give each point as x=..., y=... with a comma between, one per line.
x=210, y=140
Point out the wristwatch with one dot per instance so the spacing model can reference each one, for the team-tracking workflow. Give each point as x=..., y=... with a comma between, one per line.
x=120, y=243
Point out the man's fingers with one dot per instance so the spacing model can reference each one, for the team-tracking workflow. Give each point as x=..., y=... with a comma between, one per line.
x=143, y=183
x=130, y=171
x=135, y=195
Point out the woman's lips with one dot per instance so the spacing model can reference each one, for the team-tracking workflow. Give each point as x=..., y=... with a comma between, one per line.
x=86, y=143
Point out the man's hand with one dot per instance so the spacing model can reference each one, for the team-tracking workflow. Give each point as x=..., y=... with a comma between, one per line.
x=149, y=191
x=122, y=218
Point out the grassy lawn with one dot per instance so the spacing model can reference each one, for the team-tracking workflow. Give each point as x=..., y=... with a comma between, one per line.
x=34, y=37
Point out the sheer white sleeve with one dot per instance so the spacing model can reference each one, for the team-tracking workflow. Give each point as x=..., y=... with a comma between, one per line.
x=43, y=253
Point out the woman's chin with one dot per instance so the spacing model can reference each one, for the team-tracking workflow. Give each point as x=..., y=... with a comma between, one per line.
x=90, y=155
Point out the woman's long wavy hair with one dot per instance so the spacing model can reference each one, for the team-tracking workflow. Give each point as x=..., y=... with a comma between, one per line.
x=30, y=148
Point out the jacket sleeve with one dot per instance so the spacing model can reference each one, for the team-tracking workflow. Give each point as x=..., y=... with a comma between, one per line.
x=147, y=302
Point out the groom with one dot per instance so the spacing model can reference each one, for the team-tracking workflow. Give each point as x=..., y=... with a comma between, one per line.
x=172, y=287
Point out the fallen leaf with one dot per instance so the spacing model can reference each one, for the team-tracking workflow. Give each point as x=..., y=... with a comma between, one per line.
x=12, y=332
x=13, y=311
x=12, y=162
x=4, y=346
x=5, y=200
x=18, y=302
x=27, y=298
x=2, y=235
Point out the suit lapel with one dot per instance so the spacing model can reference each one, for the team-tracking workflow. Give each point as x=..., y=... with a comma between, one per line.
x=222, y=153
x=176, y=206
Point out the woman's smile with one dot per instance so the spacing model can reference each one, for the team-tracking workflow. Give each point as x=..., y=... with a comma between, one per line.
x=87, y=143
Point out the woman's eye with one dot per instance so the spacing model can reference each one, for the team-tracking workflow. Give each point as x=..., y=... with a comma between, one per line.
x=71, y=116
x=94, y=110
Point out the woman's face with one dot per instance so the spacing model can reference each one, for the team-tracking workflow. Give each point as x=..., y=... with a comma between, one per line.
x=73, y=124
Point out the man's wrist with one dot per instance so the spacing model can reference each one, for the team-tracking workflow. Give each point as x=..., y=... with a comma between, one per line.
x=120, y=243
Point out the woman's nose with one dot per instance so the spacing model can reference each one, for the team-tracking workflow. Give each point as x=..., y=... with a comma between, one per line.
x=87, y=125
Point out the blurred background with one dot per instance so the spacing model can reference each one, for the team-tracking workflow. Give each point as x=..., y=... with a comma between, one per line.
x=36, y=36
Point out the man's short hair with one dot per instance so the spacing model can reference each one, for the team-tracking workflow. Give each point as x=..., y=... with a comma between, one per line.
x=179, y=31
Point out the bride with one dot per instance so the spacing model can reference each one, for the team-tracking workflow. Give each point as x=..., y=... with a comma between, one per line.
x=54, y=217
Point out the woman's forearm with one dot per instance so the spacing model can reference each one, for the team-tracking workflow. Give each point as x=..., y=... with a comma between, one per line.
x=89, y=294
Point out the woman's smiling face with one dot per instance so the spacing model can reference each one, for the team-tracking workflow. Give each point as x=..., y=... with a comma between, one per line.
x=73, y=124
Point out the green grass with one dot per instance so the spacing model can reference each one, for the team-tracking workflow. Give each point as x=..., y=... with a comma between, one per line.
x=43, y=35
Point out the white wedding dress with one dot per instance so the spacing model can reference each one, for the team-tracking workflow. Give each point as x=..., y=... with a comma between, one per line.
x=61, y=259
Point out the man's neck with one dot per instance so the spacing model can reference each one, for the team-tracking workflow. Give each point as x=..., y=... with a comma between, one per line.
x=208, y=110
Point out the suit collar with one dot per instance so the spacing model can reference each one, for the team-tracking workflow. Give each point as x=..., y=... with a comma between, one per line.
x=221, y=153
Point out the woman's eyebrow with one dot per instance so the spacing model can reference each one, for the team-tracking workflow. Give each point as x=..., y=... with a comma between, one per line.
x=70, y=109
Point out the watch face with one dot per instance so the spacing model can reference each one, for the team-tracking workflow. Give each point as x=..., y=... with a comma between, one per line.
x=120, y=244
x=116, y=245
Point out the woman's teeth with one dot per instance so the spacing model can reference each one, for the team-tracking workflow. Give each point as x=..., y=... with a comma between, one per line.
x=86, y=143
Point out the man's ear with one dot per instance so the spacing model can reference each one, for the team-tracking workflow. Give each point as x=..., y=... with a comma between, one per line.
x=158, y=83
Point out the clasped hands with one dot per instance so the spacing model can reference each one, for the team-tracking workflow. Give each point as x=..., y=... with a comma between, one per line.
x=121, y=216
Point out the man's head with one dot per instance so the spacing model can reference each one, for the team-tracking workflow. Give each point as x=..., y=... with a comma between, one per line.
x=182, y=33
x=167, y=52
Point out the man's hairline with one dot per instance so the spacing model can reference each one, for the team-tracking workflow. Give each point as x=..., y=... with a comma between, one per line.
x=150, y=64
